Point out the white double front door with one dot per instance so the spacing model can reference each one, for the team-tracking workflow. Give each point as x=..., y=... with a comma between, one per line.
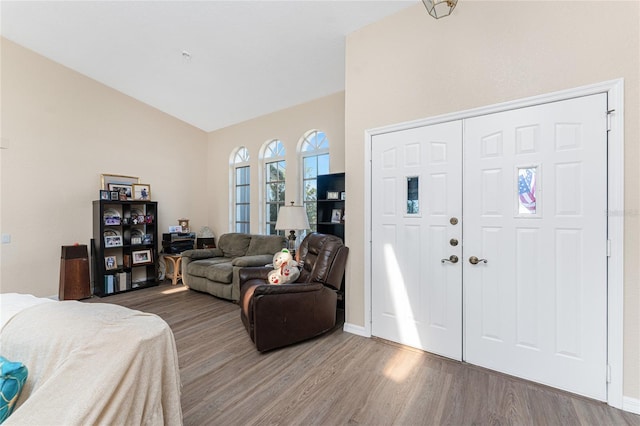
x=489, y=241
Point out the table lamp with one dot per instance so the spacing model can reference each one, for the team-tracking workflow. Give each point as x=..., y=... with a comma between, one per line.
x=292, y=218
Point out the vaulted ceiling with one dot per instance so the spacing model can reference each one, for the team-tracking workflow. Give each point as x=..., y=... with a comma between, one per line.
x=209, y=63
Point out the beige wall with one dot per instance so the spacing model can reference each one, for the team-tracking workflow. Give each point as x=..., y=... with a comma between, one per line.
x=63, y=131
x=289, y=125
x=410, y=66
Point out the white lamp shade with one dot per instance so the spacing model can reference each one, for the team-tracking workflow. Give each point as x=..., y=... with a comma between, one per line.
x=292, y=217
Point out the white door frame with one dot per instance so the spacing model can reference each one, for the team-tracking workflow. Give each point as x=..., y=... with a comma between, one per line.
x=615, y=216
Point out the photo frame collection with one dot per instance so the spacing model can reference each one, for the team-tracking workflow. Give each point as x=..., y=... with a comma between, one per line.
x=336, y=195
x=123, y=188
x=337, y=215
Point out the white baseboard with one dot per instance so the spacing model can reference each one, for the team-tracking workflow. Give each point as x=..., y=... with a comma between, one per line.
x=631, y=405
x=355, y=329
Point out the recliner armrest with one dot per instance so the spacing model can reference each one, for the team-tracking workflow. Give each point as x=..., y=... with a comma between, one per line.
x=269, y=289
x=202, y=253
x=254, y=273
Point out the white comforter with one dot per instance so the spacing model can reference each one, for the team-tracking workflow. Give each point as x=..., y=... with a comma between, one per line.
x=93, y=363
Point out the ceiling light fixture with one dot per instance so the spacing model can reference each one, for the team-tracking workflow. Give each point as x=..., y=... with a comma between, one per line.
x=440, y=8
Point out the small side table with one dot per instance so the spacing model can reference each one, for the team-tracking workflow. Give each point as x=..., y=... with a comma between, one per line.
x=176, y=262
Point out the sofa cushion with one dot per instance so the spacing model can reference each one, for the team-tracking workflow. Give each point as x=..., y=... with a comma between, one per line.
x=234, y=244
x=257, y=260
x=265, y=244
x=200, y=268
x=202, y=253
x=222, y=273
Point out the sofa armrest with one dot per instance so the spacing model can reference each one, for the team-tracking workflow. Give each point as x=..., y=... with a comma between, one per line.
x=255, y=260
x=202, y=253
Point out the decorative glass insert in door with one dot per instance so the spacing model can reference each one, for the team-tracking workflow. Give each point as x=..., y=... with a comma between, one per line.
x=527, y=203
x=413, y=201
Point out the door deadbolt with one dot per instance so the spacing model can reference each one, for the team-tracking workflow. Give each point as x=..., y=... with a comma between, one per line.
x=453, y=242
x=453, y=221
x=453, y=259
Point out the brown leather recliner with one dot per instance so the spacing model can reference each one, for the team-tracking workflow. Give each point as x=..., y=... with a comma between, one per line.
x=279, y=315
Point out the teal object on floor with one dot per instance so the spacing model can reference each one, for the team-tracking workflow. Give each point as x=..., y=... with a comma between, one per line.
x=12, y=380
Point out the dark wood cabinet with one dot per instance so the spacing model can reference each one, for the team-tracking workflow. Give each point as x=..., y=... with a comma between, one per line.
x=124, y=246
x=74, y=273
x=330, y=204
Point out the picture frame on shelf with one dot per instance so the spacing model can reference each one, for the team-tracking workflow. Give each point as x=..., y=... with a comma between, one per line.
x=147, y=239
x=104, y=195
x=333, y=195
x=114, y=195
x=175, y=228
x=136, y=241
x=141, y=257
x=112, y=221
x=110, y=263
x=106, y=179
x=122, y=189
x=113, y=241
x=336, y=216
x=141, y=192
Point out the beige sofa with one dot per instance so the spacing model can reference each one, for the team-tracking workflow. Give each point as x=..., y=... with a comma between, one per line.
x=215, y=271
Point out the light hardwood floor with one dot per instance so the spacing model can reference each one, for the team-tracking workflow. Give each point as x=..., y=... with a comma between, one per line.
x=340, y=378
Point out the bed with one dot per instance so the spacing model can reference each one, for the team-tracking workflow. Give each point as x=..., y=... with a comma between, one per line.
x=90, y=363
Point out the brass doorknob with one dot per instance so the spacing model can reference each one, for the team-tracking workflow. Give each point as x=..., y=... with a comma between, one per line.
x=474, y=260
x=453, y=259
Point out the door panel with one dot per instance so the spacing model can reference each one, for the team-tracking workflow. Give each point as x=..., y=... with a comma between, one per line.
x=416, y=298
x=537, y=308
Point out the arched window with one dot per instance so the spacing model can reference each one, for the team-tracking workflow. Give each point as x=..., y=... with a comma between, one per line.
x=242, y=191
x=314, y=158
x=274, y=178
